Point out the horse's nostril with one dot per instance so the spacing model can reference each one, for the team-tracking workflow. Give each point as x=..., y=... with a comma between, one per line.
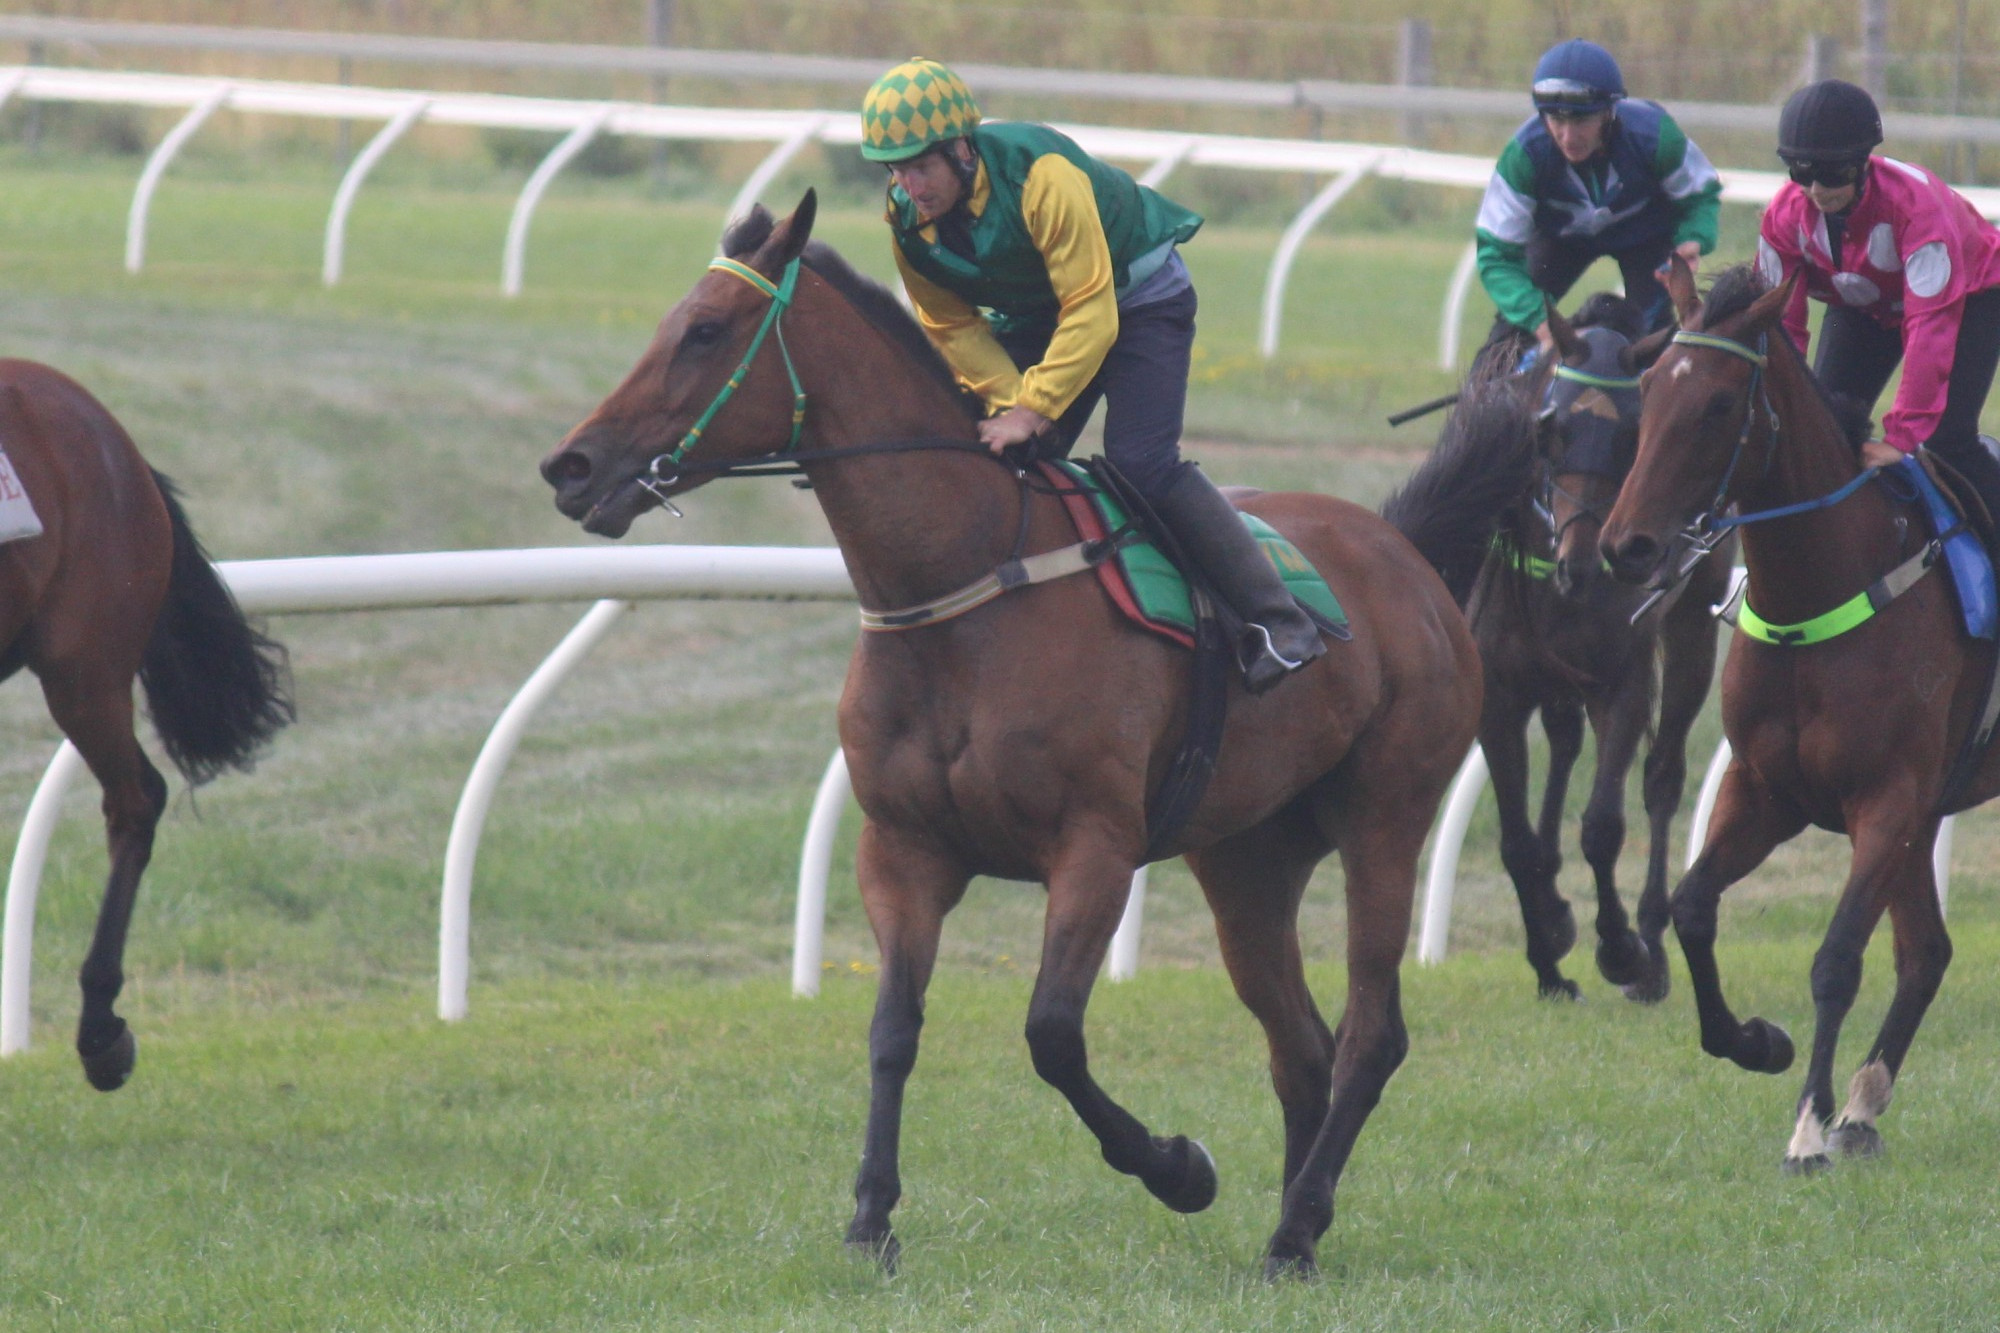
x=567, y=468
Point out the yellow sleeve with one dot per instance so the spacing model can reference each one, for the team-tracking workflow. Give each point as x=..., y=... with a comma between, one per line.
x=962, y=334
x=1060, y=210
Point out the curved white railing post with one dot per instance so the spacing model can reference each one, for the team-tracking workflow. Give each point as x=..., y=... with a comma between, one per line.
x=1704, y=802
x=24, y=886
x=1288, y=250
x=1156, y=175
x=1122, y=964
x=350, y=185
x=156, y=167
x=10, y=83
x=462, y=850
x=1941, y=861
x=1454, y=307
x=559, y=157
x=774, y=162
x=815, y=865
x=1441, y=884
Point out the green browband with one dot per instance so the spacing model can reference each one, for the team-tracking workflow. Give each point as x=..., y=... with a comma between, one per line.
x=1855, y=611
x=1596, y=381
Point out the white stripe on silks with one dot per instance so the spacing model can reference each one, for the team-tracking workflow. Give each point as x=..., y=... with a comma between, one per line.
x=1692, y=176
x=1505, y=213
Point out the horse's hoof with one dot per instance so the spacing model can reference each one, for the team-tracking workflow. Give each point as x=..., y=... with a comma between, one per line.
x=1852, y=1138
x=1655, y=984
x=884, y=1251
x=1764, y=1048
x=1622, y=960
x=1194, y=1185
x=110, y=1065
x=1289, y=1267
x=1562, y=988
x=1806, y=1166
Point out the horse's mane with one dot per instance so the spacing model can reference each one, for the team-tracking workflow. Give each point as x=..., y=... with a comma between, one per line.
x=1731, y=294
x=876, y=303
x=1482, y=466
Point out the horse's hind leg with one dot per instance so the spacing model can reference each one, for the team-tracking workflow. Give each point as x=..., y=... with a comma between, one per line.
x=907, y=890
x=1087, y=892
x=1619, y=721
x=1254, y=882
x=96, y=715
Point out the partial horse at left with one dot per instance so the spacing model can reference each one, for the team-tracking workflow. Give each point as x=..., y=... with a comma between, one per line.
x=116, y=587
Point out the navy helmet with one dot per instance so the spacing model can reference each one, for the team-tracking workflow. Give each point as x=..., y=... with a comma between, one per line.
x=1831, y=122
x=1578, y=77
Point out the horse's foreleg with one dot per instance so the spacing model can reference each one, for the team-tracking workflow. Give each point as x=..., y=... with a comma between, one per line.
x=1254, y=882
x=1380, y=837
x=1687, y=665
x=1530, y=859
x=907, y=891
x=1893, y=870
x=97, y=718
x=1618, y=722
x=1087, y=892
x=1746, y=825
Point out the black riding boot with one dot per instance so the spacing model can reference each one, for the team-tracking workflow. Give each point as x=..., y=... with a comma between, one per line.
x=1278, y=637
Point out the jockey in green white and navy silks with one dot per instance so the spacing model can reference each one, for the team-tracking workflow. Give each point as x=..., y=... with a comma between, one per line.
x=1051, y=280
x=1593, y=173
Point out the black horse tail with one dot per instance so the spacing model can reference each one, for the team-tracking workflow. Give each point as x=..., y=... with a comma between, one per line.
x=1483, y=465
x=216, y=688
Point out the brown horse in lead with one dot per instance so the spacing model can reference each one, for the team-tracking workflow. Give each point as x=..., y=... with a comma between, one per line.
x=114, y=587
x=1023, y=739
x=1853, y=733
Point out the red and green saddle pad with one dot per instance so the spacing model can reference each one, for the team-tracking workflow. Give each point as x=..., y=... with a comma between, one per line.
x=1144, y=584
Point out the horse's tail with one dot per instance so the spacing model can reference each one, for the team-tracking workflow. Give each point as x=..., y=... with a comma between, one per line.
x=216, y=688
x=1482, y=466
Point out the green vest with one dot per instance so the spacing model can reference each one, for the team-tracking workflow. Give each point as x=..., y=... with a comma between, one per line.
x=1006, y=274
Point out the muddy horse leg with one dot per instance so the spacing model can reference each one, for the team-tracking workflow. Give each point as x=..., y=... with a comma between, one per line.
x=1618, y=721
x=1531, y=859
x=1379, y=841
x=1253, y=882
x=1087, y=892
x=907, y=890
x=1746, y=825
x=95, y=712
x=1891, y=869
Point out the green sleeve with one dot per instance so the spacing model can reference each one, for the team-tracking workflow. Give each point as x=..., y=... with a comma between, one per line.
x=1691, y=182
x=1503, y=271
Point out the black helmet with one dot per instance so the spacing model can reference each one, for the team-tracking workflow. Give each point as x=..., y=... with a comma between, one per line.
x=1830, y=121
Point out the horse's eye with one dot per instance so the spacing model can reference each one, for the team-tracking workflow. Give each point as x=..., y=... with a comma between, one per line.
x=1720, y=406
x=705, y=334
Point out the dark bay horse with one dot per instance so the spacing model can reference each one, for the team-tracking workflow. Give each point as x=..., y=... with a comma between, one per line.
x=1023, y=740
x=1851, y=731
x=1559, y=639
x=116, y=586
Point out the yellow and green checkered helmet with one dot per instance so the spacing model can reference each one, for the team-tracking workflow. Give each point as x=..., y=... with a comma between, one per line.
x=915, y=105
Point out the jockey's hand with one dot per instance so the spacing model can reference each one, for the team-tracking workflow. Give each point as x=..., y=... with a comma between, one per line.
x=1881, y=453
x=1017, y=425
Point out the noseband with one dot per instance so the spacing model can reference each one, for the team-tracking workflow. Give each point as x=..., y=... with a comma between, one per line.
x=665, y=469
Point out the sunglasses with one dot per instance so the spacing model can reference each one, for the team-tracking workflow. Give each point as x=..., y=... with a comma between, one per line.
x=1833, y=175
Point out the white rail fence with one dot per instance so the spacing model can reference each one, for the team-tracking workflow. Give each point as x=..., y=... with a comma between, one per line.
x=1159, y=153
x=615, y=577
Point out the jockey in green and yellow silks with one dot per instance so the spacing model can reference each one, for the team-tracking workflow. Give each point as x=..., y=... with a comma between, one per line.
x=1050, y=280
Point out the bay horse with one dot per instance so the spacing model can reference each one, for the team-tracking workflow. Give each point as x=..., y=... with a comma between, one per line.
x=1022, y=740
x=1849, y=731
x=116, y=587
x=1559, y=639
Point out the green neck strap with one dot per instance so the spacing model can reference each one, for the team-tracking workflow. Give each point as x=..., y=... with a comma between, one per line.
x=1854, y=611
x=781, y=300
x=1534, y=566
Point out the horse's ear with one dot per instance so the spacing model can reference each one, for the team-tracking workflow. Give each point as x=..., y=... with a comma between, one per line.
x=1642, y=354
x=1680, y=288
x=1568, y=345
x=788, y=239
x=1765, y=312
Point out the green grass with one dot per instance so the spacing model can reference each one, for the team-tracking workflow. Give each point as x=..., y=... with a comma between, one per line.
x=637, y=1128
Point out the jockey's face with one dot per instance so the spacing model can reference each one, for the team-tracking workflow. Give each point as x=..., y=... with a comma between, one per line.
x=1579, y=138
x=1830, y=198
x=932, y=179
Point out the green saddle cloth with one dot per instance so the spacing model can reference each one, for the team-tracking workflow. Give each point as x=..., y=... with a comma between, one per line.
x=1162, y=593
